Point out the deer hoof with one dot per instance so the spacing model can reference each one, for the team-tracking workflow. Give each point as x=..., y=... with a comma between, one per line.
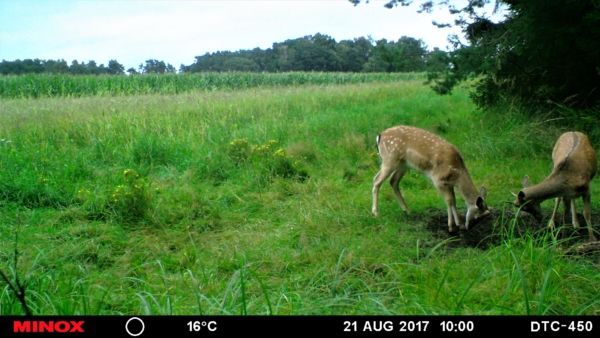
x=453, y=230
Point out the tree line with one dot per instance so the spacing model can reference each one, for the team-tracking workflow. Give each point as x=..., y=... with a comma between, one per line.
x=37, y=66
x=320, y=52
x=317, y=52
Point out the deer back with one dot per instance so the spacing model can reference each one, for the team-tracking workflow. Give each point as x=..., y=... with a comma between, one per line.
x=574, y=157
x=419, y=149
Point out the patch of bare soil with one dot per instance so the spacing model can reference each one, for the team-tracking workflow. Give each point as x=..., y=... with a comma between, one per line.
x=491, y=230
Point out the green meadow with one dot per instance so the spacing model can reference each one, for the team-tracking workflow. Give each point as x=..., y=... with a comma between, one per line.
x=256, y=200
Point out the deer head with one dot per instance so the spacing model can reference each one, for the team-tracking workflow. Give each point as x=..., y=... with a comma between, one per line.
x=477, y=211
x=530, y=206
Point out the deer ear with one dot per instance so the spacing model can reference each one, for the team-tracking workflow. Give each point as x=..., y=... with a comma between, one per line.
x=480, y=203
x=483, y=192
x=525, y=181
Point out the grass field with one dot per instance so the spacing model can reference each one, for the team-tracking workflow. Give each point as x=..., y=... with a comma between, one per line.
x=257, y=201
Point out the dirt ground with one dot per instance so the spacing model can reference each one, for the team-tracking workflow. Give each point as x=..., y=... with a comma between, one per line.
x=491, y=230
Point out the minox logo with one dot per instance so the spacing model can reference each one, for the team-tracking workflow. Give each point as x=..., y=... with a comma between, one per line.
x=48, y=326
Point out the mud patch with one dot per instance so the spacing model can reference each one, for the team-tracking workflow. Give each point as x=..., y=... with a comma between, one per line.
x=492, y=229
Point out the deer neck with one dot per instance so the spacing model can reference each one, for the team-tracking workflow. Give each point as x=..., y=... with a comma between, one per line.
x=467, y=189
x=550, y=187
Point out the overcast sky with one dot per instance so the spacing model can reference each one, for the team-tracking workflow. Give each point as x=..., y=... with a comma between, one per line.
x=177, y=31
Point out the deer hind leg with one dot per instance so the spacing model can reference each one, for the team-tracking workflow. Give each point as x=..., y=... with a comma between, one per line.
x=551, y=222
x=587, y=214
x=378, y=180
x=395, y=183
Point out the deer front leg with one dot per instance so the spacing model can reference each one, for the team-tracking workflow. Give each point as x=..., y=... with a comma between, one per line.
x=567, y=211
x=395, y=183
x=450, y=199
x=551, y=222
x=379, y=178
x=587, y=214
x=574, y=215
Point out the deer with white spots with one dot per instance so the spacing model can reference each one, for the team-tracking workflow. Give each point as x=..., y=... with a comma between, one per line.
x=574, y=166
x=404, y=147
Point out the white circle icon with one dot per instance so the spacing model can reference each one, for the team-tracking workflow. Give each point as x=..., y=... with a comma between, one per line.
x=133, y=334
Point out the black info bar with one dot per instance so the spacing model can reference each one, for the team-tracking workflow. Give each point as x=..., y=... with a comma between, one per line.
x=329, y=326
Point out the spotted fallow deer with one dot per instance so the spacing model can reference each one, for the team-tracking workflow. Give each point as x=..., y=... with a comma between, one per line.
x=404, y=147
x=574, y=166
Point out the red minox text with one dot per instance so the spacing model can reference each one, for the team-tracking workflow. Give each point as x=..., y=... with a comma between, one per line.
x=42, y=326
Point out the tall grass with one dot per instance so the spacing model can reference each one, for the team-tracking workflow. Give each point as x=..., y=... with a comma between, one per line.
x=146, y=204
x=52, y=85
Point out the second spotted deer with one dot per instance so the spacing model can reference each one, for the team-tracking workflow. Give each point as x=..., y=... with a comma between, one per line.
x=404, y=147
x=574, y=166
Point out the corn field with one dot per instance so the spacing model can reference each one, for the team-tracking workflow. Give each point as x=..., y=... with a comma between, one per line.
x=57, y=85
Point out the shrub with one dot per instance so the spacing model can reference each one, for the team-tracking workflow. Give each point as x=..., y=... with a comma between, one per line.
x=129, y=201
x=269, y=159
x=239, y=151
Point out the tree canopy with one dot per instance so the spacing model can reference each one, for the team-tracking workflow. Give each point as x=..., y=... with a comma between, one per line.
x=541, y=53
x=321, y=52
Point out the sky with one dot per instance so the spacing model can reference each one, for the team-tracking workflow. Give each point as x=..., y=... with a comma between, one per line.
x=176, y=31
